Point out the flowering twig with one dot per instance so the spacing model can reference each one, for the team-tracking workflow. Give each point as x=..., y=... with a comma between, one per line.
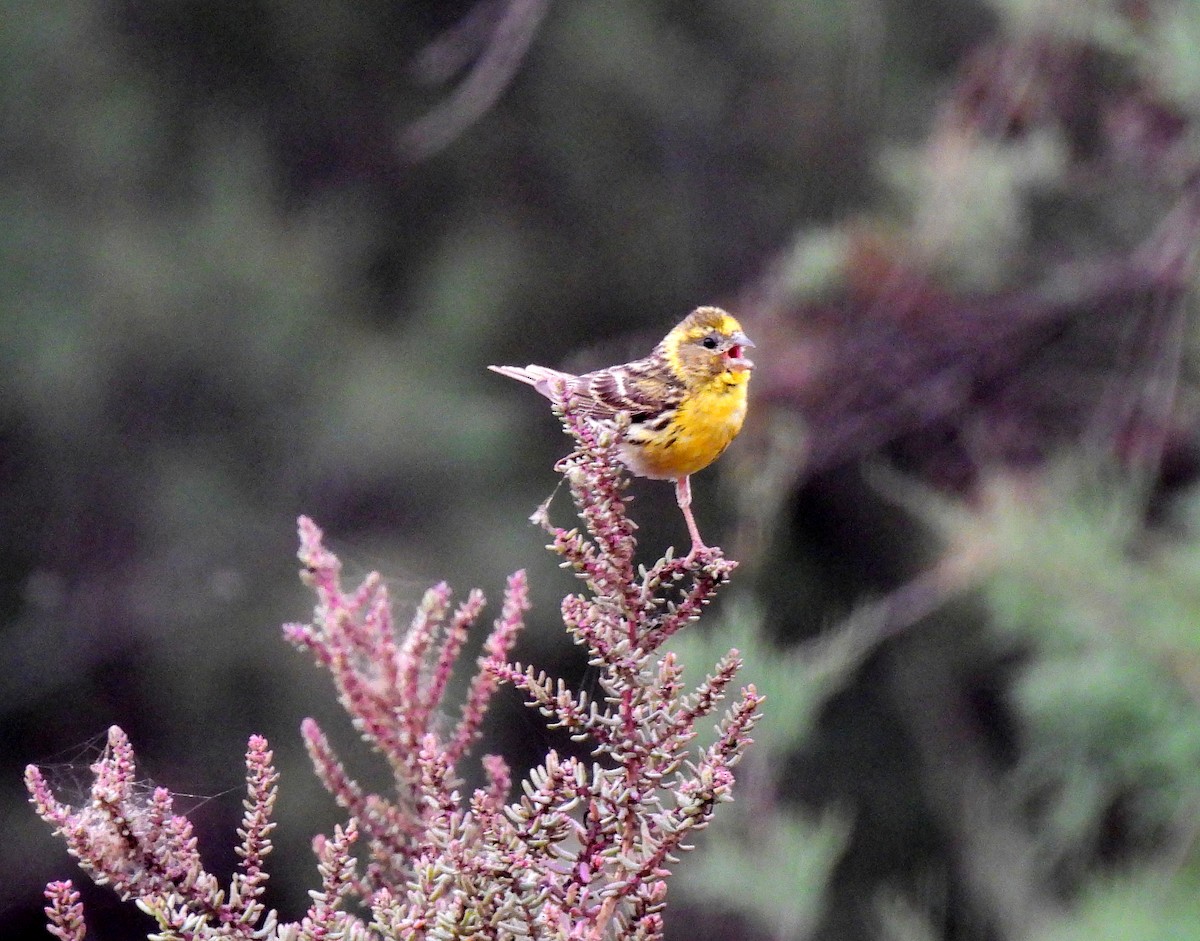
x=135, y=843
x=644, y=723
x=392, y=686
x=64, y=912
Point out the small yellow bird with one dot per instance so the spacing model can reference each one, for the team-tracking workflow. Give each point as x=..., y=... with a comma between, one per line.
x=686, y=401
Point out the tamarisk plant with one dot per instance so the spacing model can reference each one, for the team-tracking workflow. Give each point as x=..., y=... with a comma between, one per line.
x=586, y=851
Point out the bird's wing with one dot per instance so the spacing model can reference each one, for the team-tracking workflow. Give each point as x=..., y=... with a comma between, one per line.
x=643, y=387
x=640, y=388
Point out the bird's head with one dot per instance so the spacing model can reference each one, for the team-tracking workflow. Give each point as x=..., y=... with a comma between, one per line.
x=706, y=344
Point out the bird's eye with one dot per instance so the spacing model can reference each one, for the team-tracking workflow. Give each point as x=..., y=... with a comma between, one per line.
x=710, y=343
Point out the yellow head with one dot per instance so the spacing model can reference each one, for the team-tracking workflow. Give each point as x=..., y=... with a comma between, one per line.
x=708, y=344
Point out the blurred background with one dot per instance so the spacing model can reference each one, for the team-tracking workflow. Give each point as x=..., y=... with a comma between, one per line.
x=255, y=257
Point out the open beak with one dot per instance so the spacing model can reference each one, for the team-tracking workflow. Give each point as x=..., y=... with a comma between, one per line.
x=735, y=357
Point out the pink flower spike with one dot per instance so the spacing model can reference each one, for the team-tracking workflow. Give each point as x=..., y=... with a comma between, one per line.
x=456, y=636
x=115, y=769
x=43, y=799
x=499, y=779
x=329, y=769
x=262, y=788
x=321, y=567
x=64, y=912
x=496, y=649
x=426, y=623
x=337, y=868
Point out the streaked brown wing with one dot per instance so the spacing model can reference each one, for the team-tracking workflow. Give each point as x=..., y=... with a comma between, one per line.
x=643, y=387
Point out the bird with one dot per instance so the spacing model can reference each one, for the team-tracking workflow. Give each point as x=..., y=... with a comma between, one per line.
x=686, y=401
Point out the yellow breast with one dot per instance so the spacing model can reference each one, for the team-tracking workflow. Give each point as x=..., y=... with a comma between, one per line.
x=703, y=425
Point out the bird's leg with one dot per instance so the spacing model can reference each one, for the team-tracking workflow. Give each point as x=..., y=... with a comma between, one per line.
x=683, y=494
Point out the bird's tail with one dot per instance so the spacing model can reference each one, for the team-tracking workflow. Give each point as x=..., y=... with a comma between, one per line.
x=549, y=382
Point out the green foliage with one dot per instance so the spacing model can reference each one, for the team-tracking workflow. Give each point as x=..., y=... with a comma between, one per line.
x=1172, y=47
x=771, y=865
x=1103, y=614
x=1079, y=20
x=796, y=682
x=1144, y=907
x=967, y=201
x=770, y=861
